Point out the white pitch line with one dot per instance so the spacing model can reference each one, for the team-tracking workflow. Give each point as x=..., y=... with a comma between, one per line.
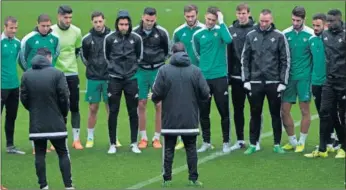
x=203, y=160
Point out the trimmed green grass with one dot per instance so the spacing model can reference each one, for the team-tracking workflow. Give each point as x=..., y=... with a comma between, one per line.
x=94, y=168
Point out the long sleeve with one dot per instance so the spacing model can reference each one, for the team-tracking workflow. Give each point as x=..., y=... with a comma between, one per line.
x=196, y=45
x=285, y=60
x=139, y=47
x=159, y=87
x=106, y=48
x=165, y=42
x=85, y=51
x=225, y=34
x=23, y=54
x=246, y=61
x=24, y=94
x=63, y=95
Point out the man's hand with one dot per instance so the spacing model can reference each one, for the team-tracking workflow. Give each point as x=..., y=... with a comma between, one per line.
x=281, y=88
x=247, y=86
x=220, y=17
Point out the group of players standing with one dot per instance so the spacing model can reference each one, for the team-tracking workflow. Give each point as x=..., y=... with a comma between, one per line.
x=262, y=61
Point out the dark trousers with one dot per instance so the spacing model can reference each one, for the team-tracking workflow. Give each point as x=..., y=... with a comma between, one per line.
x=238, y=99
x=317, y=93
x=191, y=156
x=256, y=99
x=73, y=86
x=218, y=89
x=115, y=89
x=332, y=91
x=10, y=100
x=60, y=146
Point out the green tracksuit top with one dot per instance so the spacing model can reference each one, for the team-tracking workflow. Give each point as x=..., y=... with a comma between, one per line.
x=318, y=60
x=184, y=34
x=301, y=60
x=210, y=46
x=34, y=41
x=10, y=48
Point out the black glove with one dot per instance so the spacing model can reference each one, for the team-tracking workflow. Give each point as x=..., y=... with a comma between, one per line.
x=65, y=120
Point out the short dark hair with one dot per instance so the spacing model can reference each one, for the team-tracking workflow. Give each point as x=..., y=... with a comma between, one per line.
x=97, y=14
x=213, y=10
x=10, y=19
x=44, y=52
x=335, y=12
x=299, y=11
x=320, y=16
x=243, y=6
x=178, y=47
x=266, y=11
x=64, y=9
x=149, y=11
x=189, y=8
x=43, y=18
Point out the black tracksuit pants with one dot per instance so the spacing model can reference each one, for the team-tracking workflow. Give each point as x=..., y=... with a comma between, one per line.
x=238, y=100
x=10, y=100
x=60, y=146
x=218, y=89
x=73, y=87
x=256, y=99
x=191, y=155
x=317, y=93
x=115, y=89
x=334, y=90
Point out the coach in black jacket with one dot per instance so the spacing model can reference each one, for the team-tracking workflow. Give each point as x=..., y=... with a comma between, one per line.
x=44, y=93
x=265, y=67
x=123, y=51
x=180, y=86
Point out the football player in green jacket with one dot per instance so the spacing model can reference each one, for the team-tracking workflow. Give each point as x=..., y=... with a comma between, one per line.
x=209, y=44
x=40, y=37
x=10, y=47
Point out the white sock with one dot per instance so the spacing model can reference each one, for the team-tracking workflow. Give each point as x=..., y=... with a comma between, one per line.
x=91, y=134
x=75, y=134
x=156, y=136
x=33, y=144
x=302, y=138
x=293, y=140
x=144, y=135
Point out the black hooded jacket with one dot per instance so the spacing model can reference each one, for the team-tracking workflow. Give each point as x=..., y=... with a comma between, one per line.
x=265, y=56
x=335, y=50
x=235, y=48
x=123, y=52
x=156, y=46
x=181, y=87
x=93, y=56
x=44, y=93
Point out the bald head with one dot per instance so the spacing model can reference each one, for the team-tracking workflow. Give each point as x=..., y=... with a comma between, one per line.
x=178, y=47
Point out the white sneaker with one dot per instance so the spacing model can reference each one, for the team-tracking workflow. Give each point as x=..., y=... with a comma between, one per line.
x=69, y=188
x=205, y=147
x=45, y=187
x=226, y=148
x=112, y=149
x=238, y=145
x=135, y=149
x=258, y=147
